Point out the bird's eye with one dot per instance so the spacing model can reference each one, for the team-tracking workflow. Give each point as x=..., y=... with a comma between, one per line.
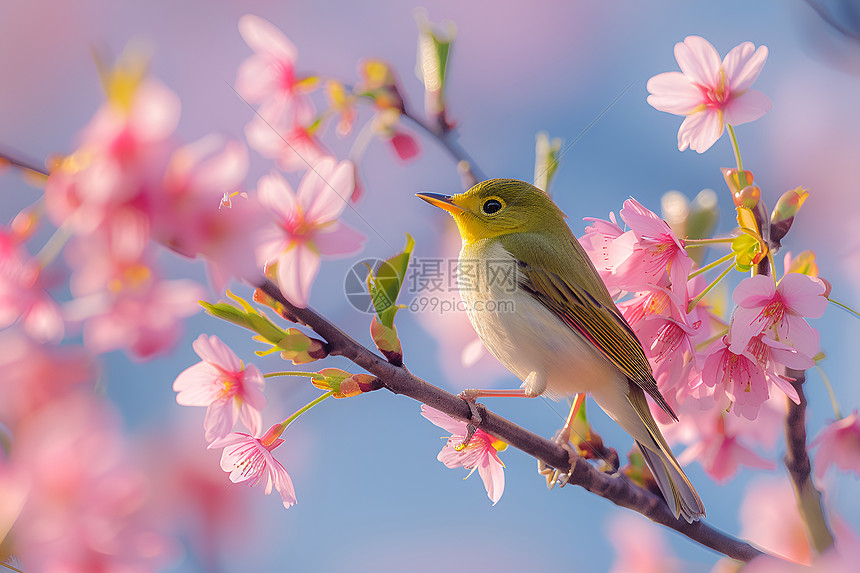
x=491, y=206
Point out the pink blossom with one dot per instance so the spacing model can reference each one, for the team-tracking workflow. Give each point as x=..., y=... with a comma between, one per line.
x=108, y=185
x=778, y=310
x=598, y=242
x=269, y=76
x=640, y=547
x=248, y=458
x=22, y=293
x=482, y=452
x=36, y=374
x=709, y=92
x=653, y=253
x=719, y=450
x=87, y=504
x=289, y=140
x=838, y=444
x=145, y=320
x=307, y=225
x=199, y=178
x=229, y=389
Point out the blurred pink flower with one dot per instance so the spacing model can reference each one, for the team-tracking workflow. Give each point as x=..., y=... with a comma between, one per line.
x=22, y=295
x=718, y=450
x=288, y=140
x=838, y=444
x=640, y=547
x=780, y=309
x=145, y=320
x=190, y=221
x=482, y=452
x=229, y=389
x=307, y=225
x=36, y=374
x=709, y=92
x=87, y=508
x=108, y=185
x=247, y=458
x=269, y=76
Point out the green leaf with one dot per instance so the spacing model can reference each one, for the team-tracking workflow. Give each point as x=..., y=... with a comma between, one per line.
x=384, y=285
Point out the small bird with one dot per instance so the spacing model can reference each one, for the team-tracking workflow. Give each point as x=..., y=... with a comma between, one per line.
x=539, y=306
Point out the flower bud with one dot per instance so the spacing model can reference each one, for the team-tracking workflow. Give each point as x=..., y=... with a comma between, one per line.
x=788, y=205
x=737, y=180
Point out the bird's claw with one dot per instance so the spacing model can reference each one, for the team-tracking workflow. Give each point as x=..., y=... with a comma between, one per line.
x=554, y=475
x=475, y=418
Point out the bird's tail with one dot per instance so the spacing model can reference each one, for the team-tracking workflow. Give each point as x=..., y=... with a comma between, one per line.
x=673, y=483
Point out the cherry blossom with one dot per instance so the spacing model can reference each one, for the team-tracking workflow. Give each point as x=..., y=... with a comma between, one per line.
x=307, y=225
x=778, y=310
x=708, y=92
x=640, y=547
x=838, y=444
x=482, y=452
x=230, y=390
x=248, y=458
x=22, y=293
x=269, y=76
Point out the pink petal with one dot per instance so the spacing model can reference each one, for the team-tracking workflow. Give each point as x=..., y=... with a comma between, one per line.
x=325, y=190
x=754, y=292
x=196, y=385
x=800, y=334
x=742, y=66
x=219, y=420
x=699, y=131
x=405, y=146
x=263, y=37
x=747, y=107
x=338, y=239
x=786, y=388
x=155, y=112
x=444, y=421
x=673, y=92
x=493, y=475
x=213, y=351
x=698, y=60
x=223, y=172
x=251, y=418
x=745, y=325
x=264, y=138
x=275, y=194
x=254, y=79
x=297, y=269
x=803, y=294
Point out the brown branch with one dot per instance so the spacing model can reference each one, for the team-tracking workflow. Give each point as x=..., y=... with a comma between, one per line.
x=621, y=492
x=796, y=461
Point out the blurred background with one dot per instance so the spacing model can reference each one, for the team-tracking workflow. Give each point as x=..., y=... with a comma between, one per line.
x=372, y=496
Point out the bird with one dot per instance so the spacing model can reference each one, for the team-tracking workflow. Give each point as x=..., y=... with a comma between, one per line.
x=539, y=306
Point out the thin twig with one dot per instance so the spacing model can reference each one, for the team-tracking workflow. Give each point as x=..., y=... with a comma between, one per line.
x=621, y=492
x=799, y=469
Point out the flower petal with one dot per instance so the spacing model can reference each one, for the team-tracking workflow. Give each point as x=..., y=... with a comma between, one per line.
x=747, y=107
x=325, y=190
x=699, y=60
x=297, y=269
x=803, y=294
x=263, y=37
x=338, y=239
x=276, y=195
x=673, y=92
x=700, y=130
x=743, y=64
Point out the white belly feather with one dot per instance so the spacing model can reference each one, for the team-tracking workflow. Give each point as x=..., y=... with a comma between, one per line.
x=523, y=335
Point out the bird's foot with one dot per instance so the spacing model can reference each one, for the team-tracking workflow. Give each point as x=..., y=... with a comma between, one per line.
x=555, y=475
x=475, y=418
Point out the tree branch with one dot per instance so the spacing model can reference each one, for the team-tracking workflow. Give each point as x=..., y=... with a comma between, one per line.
x=619, y=491
x=796, y=461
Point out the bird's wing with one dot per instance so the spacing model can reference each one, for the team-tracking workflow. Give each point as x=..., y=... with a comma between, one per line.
x=555, y=285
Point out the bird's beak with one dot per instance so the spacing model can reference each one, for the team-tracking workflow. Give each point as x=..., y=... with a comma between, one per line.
x=442, y=201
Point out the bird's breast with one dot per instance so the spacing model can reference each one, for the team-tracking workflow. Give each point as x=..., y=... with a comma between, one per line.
x=519, y=331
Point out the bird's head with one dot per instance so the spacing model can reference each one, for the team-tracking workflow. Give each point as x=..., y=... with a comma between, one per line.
x=498, y=207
